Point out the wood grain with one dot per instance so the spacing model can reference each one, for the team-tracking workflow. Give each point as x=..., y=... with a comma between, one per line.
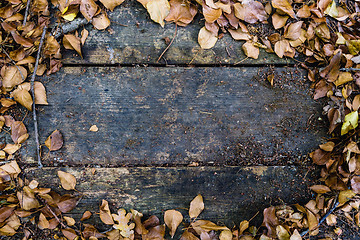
x=176, y=116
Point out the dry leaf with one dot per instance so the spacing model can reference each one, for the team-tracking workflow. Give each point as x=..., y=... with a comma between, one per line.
x=43, y=222
x=101, y=21
x=40, y=92
x=23, y=97
x=181, y=12
x=350, y=122
x=69, y=221
x=211, y=14
x=279, y=21
x=293, y=30
x=68, y=181
x=111, y=4
x=88, y=9
x=86, y=215
x=72, y=42
x=196, y=206
x=172, y=219
x=282, y=233
x=250, y=11
x=320, y=189
x=11, y=148
x=226, y=235
x=238, y=34
x=12, y=76
x=158, y=10
x=55, y=141
x=250, y=50
x=206, y=38
x=105, y=214
x=243, y=226
x=84, y=35
x=93, y=128
x=328, y=147
x=284, y=6
x=69, y=233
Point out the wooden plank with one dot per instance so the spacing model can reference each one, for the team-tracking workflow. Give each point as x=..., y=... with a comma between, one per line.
x=231, y=194
x=175, y=116
x=141, y=41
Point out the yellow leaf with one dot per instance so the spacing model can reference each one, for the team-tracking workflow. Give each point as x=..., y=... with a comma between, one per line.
x=68, y=181
x=350, y=122
x=344, y=77
x=196, y=206
x=345, y=196
x=172, y=219
x=158, y=10
x=282, y=233
x=93, y=128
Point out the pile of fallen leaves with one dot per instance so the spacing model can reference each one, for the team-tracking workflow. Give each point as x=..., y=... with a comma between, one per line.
x=323, y=35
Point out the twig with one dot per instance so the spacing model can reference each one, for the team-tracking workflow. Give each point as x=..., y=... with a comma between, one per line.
x=33, y=97
x=323, y=218
x=13, y=62
x=350, y=69
x=56, y=217
x=69, y=27
x=26, y=12
x=172, y=40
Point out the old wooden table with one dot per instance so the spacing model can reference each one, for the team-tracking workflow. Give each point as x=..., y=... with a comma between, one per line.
x=169, y=130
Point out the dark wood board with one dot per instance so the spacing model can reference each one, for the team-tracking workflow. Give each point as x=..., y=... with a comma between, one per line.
x=231, y=194
x=141, y=41
x=175, y=116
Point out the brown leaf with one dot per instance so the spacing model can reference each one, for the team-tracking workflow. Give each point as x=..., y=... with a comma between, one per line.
x=312, y=220
x=238, y=34
x=270, y=221
x=68, y=181
x=281, y=47
x=101, y=21
x=67, y=203
x=40, y=92
x=250, y=50
x=27, y=199
x=18, y=129
x=105, y=214
x=21, y=40
x=69, y=221
x=43, y=222
x=152, y=221
x=345, y=196
x=226, y=235
x=206, y=38
x=284, y=6
x=243, y=226
x=188, y=236
x=11, y=148
x=86, y=215
x=157, y=233
x=88, y=8
x=181, y=12
x=111, y=4
x=69, y=233
x=196, y=206
x=331, y=71
x=293, y=30
x=279, y=20
x=72, y=42
x=5, y=212
x=355, y=184
x=158, y=10
x=52, y=47
x=320, y=189
x=12, y=76
x=304, y=12
x=211, y=14
x=328, y=147
x=6, y=102
x=84, y=35
x=23, y=97
x=139, y=227
x=320, y=157
x=172, y=219
x=250, y=12
x=55, y=141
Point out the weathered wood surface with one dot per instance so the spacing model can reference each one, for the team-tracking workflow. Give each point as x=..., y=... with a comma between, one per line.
x=141, y=41
x=231, y=194
x=175, y=116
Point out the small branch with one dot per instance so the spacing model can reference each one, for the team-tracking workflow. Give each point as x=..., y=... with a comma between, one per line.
x=69, y=27
x=33, y=97
x=350, y=69
x=26, y=12
x=323, y=218
x=172, y=40
x=56, y=217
